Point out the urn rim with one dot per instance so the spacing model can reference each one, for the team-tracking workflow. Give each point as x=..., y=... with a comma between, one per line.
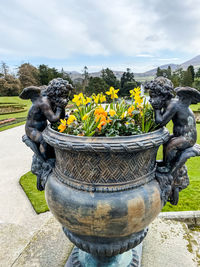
x=106, y=144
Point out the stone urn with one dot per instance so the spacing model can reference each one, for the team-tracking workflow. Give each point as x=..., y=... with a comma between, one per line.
x=104, y=192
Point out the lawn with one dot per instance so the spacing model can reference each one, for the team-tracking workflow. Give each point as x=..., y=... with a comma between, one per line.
x=28, y=182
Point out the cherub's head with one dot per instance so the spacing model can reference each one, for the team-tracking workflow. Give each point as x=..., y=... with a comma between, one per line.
x=58, y=90
x=160, y=91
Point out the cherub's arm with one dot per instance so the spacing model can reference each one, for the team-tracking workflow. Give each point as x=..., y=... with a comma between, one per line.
x=163, y=118
x=50, y=115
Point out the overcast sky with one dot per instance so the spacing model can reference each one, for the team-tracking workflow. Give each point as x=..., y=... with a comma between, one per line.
x=139, y=34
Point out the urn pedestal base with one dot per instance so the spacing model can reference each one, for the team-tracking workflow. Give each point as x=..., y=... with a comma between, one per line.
x=80, y=258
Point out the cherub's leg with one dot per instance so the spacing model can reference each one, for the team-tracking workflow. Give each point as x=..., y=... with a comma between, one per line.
x=166, y=145
x=174, y=146
x=36, y=136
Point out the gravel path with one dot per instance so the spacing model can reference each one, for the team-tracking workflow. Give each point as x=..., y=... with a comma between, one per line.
x=15, y=160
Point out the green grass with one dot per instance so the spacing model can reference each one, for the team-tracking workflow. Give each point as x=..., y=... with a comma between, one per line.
x=28, y=182
x=14, y=100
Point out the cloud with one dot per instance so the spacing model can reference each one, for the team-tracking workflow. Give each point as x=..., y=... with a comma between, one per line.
x=144, y=55
x=64, y=28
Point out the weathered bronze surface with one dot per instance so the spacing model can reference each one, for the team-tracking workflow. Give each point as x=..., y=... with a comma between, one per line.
x=103, y=190
x=181, y=144
x=106, y=191
x=48, y=104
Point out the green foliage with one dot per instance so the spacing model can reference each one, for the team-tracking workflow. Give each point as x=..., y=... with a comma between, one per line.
x=96, y=85
x=127, y=86
x=46, y=74
x=28, y=75
x=187, y=78
x=109, y=77
x=164, y=72
x=159, y=72
x=127, y=83
x=9, y=86
x=85, y=79
x=37, y=198
x=197, y=74
x=191, y=70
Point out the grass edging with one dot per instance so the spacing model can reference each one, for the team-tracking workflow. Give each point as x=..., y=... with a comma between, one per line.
x=37, y=198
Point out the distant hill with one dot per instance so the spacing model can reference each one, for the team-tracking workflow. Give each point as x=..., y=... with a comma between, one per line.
x=153, y=71
x=195, y=61
x=150, y=74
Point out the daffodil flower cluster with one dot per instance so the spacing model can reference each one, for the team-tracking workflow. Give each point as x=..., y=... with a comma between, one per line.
x=93, y=117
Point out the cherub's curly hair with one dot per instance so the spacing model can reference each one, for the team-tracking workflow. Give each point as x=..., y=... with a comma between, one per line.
x=161, y=86
x=58, y=87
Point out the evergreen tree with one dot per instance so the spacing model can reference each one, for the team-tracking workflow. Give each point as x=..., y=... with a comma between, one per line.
x=96, y=85
x=187, y=78
x=127, y=82
x=169, y=72
x=159, y=72
x=109, y=77
x=191, y=69
x=43, y=74
x=85, y=78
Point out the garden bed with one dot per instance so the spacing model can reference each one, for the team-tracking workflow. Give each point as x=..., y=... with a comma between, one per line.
x=11, y=108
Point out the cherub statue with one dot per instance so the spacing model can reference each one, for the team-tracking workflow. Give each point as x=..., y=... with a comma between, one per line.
x=48, y=104
x=180, y=146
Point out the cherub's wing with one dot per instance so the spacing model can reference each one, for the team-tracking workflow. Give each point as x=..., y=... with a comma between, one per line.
x=188, y=92
x=30, y=92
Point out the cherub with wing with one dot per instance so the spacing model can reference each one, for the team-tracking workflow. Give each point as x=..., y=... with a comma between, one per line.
x=48, y=104
x=181, y=144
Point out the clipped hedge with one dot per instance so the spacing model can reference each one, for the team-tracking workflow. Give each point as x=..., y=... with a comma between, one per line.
x=7, y=108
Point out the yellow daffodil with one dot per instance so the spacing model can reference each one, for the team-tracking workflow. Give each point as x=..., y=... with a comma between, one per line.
x=102, y=123
x=130, y=110
x=87, y=100
x=96, y=98
x=100, y=118
x=62, y=126
x=112, y=112
x=135, y=91
x=100, y=111
x=132, y=93
x=71, y=119
x=102, y=98
x=138, y=100
x=78, y=99
x=85, y=117
x=113, y=93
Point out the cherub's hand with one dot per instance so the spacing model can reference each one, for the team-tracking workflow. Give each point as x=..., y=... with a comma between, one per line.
x=61, y=102
x=156, y=106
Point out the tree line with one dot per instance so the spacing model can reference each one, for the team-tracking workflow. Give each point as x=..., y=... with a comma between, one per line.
x=180, y=77
x=12, y=84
